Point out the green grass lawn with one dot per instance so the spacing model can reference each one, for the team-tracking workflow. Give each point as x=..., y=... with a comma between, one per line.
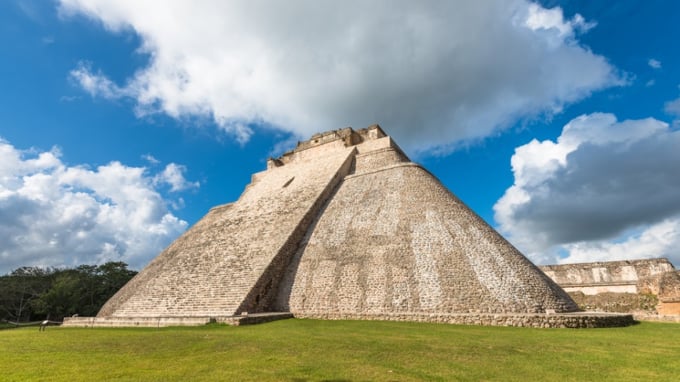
x=312, y=350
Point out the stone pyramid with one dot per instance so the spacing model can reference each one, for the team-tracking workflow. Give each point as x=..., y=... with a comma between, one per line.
x=343, y=226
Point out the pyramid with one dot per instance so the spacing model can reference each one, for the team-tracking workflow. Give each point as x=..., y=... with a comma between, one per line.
x=343, y=226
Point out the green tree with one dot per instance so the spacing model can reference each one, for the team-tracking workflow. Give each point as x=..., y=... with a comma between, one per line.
x=88, y=290
x=32, y=293
x=62, y=297
x=113, y=276
x=20, y=289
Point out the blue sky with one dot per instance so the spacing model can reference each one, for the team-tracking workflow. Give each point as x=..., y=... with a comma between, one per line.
x=123, y=122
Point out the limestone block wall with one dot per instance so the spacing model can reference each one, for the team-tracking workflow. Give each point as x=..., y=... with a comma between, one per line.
x=661, y=284
x=226, y=262
x=378, y=159
x=666, y=286
x=528, y=320
x=392, y=239
x=158, y=322
x=611, y=276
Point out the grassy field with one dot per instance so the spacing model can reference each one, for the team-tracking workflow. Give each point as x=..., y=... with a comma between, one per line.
x=4, y=325
x=311, y=350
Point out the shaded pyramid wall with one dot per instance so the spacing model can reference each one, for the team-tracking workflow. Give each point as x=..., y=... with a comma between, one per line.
x=343, y=224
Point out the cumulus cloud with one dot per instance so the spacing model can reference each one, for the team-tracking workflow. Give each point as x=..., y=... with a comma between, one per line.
x=434, y=74
x=553, y=20
x=604, y=190
x=660, y=239
x=53, y=214
x=173, y=175
x=151, y=159
x=654, y=64
x=96, y=84
x=673, y=107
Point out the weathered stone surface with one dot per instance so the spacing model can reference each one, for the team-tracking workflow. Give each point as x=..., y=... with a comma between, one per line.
x=649, y=288
x=530, y=320
x=345, y=226
x=606, y=276
x=158, y=322
x=393, y=239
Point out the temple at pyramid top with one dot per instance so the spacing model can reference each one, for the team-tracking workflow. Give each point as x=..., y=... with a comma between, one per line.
x=347, y=136
x=342, y=226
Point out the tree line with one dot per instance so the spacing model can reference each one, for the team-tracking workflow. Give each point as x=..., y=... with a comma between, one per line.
x=34, y=293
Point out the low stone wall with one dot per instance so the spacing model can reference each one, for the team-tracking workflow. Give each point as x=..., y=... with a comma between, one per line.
x=657, y=317
x=158, y=322
x=114, y=322
x=562, y=320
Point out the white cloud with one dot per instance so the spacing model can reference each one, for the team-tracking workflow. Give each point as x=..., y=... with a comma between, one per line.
x=96, y=84
x=54, y=214
x=605, y=190
x=434, y=73
x=151, y=159
x=673, y=107
x=654, y=64
x=660, y=239
x=173, y=175
x=540, y=18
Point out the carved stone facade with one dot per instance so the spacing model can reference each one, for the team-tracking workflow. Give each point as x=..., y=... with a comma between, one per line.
x=648, y=287
x=345, y=225
x=606, y=276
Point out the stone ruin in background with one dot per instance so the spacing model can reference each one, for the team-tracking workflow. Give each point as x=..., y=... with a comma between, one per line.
x=648, y=288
